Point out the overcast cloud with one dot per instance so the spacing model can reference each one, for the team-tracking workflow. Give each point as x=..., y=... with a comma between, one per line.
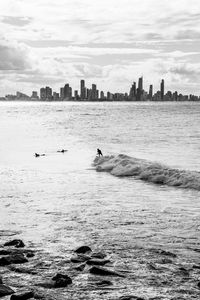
x=109, y=42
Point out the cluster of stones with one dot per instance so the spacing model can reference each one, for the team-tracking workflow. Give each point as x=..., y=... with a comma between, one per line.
x=83, y=256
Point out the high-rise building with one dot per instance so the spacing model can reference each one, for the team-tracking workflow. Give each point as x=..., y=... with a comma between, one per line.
x=94, y=92
x=101, y=95
x=82, y=89
x=140, y=83
x=150, y=92
x=48, y=93
x=76, y=95
x=62, y=93
x=55, y=96
x=67, y=92
x=162, y=89
x=43, y=94
x=34, y=95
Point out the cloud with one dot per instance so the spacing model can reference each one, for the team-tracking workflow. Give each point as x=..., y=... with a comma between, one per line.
x=13, y=57
x=16, y=21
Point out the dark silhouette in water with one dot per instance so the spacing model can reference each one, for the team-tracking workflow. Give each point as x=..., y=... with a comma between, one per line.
x=62, y=151
x=37, y=154
x=99, y=153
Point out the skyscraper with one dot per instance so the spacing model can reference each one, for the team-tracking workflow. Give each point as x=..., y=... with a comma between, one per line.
x=82, y=89
x=150, y=92
x=162, y=89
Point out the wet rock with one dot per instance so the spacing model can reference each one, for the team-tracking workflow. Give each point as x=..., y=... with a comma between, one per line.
x=104, y=272
x=16, y=243
x=61, y=280
x=13, y=259
x=5, y=290
x=104, y=283
x=5, y=252
x=83, y=249
x=30, y=254
x=196, y=267
x=23, y=295
x=80, y=267
x=98, y=262
x=131, y=297
x=80, y=258
x=99, y=255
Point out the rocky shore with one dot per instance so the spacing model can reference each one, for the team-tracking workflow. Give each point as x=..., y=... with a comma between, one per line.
x=90, y=273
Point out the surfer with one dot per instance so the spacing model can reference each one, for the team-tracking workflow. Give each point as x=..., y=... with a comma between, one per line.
x=62, y=151
x=37, y=155
x=99, y=153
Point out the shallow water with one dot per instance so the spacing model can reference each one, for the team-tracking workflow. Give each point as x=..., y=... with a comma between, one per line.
x=58, y=202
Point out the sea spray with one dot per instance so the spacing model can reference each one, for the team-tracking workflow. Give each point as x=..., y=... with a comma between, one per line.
x=123, y=165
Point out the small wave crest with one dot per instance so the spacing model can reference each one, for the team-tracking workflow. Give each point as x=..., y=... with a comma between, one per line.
x=124, y=165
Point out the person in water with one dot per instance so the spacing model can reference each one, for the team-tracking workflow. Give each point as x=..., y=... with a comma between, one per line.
x=99, y=153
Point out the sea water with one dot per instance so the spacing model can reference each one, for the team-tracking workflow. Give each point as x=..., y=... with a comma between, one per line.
x=58, y=202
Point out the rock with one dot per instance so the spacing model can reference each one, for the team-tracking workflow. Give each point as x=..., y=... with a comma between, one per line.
x=198, y=284
x=83, y=249
x=30, y=254
x=104, y=272
x=5, y=252
x=196, y=267
x=98, y=262
x=13, y=259
x=61, y=280
x=23, y=295
x=131, y=297
x=1, y=280
x=80, y=258
x=104, y=283
x=16, y=243
x=99, y=255
x=80, y=267
x=5, y=290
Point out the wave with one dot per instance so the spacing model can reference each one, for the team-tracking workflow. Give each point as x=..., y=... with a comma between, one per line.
x=124, y=165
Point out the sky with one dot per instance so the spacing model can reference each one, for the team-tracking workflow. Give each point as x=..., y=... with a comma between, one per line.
x=107, y=42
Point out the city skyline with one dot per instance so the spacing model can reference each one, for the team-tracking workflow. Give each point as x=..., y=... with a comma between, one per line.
x=106, y=42
x=85, y=93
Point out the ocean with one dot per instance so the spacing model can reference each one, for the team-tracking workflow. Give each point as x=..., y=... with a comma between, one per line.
x=141, y=198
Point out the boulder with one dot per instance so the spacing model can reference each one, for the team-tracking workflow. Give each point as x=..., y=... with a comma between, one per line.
x=99, y=255
x=5, y=290
x=104, y=272
x=98, y=262
x=17, y=243
x=13, y=259
x=61, y=280
x=83, y=249
x=23, y=295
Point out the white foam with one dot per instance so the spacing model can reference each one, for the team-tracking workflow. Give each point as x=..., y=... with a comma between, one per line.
x=123, y=165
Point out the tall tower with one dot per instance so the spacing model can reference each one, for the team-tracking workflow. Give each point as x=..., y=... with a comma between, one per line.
x=82, y=89
x=162, y=89
x=150, y=91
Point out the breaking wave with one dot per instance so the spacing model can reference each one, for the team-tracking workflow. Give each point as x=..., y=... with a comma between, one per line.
x=123, y=165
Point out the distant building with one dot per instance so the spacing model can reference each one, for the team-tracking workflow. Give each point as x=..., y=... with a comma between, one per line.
x=76, y=96
x=46, y=93
x=34, y=95
x=150, y=92
x=56, y=96
x=162, y=89
x=94, y=92
x=82, y=89
x=62, y=93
